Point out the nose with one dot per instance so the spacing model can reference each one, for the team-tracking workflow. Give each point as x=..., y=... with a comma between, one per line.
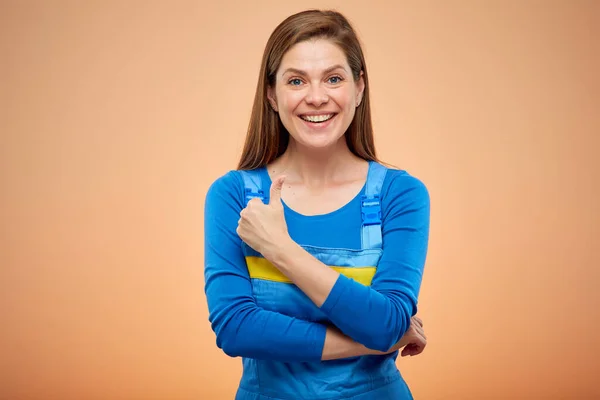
x=317, y=95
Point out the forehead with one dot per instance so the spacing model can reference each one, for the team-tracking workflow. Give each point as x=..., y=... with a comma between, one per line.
x=313, y=56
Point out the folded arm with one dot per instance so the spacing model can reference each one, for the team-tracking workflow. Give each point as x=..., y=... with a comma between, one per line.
x=243, y=328
x=379, y=315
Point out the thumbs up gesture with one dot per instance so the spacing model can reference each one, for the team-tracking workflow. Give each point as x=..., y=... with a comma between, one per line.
x=262, y=226
x=275, y=196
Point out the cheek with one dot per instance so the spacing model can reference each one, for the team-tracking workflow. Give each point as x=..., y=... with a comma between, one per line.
x=345, y=98
x=347, y=104
x=290, y=101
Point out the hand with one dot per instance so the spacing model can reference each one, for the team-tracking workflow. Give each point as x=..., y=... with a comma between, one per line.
x=413, y=341
x=262, y=226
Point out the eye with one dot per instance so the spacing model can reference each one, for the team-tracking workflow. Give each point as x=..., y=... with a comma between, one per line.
x=295, y=82
x=335, y=79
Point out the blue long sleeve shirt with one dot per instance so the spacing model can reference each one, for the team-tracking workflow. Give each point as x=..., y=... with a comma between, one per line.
x=376, y=316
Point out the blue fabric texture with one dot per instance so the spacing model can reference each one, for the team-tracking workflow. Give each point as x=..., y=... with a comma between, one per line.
x=277, y=330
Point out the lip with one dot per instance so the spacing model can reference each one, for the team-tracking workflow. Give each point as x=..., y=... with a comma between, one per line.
x=317, y=126
x=313, y=113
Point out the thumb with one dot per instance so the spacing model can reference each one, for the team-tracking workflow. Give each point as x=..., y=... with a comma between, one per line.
x=276, y=190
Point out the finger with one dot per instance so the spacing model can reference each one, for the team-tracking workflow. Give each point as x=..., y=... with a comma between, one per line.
x=420, y=330
x=240, y=226
x=418, y=321
x=420, y=349
x=404, y=352
x=415, y=326
x=410, y=350
x=418, y=340
x=276, y=190
x=414, y=348
x=421, y=344
x=254, y=201
x=416, y=351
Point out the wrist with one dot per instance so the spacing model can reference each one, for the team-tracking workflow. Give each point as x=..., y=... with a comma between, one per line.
x=281, y=251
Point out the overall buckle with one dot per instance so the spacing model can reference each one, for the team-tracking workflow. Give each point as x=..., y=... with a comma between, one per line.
x=371, y=210
x=250, y=194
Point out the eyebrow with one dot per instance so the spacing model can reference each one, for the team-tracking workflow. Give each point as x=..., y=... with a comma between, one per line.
x=328, y=70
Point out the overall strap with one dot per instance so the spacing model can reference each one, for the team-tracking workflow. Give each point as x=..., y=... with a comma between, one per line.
x=371, y=207
x=252, y=185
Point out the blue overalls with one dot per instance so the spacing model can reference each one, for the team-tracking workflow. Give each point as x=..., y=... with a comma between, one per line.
x=356, y=378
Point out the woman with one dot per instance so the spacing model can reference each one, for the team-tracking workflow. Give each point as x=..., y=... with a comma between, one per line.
x=314, y=251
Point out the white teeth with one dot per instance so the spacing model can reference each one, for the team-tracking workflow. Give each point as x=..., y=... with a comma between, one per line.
x=316, y=118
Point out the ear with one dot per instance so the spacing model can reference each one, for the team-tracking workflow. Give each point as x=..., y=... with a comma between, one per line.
x=360, y=88
x=271, y=97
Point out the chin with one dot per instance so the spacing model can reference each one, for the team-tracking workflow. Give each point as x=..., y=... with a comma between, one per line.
x=319, y=141
x=316, y=136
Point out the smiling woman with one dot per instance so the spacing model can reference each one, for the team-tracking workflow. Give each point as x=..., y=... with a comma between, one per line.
x=314, y=250
x=317, y=97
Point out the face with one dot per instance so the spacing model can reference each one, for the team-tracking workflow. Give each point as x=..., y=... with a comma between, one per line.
x=315, y=93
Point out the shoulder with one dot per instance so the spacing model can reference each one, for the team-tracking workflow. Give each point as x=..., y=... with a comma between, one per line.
x=230, y=181
x=229, y=187
x=226, y=189
x=402, y=188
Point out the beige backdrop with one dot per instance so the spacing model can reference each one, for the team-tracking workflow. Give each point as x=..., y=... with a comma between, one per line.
x=116, y=116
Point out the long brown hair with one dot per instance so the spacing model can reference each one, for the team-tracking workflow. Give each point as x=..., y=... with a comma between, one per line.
x=267, y=138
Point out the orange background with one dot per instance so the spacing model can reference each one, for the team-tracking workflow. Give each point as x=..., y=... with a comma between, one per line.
x=116, y=117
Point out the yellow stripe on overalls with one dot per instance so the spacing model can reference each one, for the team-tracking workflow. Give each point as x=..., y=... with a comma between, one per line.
x=261, y=268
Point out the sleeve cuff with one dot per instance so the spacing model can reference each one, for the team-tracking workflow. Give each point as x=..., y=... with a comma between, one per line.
x=319, y=342
x=340, y=286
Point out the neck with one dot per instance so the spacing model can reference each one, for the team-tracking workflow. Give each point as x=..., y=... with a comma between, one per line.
x=317, y=167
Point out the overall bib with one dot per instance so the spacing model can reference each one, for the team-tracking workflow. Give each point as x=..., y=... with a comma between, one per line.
x=356, y=378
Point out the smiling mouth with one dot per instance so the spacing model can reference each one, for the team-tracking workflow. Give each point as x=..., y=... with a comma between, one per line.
x=317, y=119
